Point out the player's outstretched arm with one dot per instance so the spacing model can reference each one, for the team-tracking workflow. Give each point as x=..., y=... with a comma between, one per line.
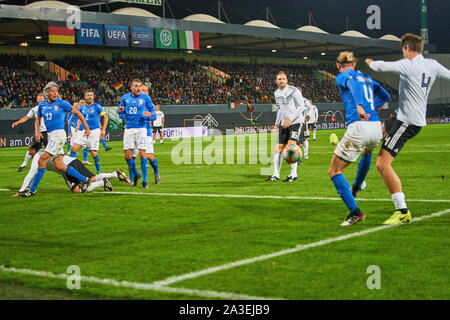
x=21, y=120
x=442, y=72
x=384, y=66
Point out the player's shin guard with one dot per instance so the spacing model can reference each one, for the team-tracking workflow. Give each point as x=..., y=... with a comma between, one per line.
x=363, y=169
x=85, y=154
x=73, y=154
x=132, y=168
x=294, y=169
x=306, y=147
x=144, y=169
x=37, y=179
x=97, y=164
x=345, y=191
x=277, y=161
x=104, y=144
x=154, y=165
x=74, y=173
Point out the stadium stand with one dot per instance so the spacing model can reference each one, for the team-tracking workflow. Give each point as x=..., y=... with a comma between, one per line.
x=170, y=81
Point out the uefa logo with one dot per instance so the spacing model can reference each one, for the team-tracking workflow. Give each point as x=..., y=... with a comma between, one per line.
x=166, y=37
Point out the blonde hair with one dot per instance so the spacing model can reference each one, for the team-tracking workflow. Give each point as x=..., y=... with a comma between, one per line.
x=415, y=43
x=346, y=57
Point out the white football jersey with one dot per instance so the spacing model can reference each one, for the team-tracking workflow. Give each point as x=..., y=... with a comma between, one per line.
x=158, y=121
x=32, y=114
x=290, y=105
x=312, y=112
x=416, y=79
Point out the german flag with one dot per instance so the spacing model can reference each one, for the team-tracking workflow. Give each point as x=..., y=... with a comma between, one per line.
x=59, y=33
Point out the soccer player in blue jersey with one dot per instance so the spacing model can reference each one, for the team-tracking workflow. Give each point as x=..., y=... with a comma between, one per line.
x=149, y=143
x=71, y=124
x=92, y=112
x=361, y=96
x=53, y=112
x=135, y=108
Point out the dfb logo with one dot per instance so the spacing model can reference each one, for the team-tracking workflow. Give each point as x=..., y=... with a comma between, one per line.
x=374, y=20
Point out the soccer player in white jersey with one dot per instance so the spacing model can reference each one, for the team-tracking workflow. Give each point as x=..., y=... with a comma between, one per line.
x=290, y=122
x=32, y=114
x=158, y=125
x=417, y=76
x=311, y=121
x=100, y=180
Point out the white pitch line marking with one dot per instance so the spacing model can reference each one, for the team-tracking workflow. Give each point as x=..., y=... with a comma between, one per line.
x=300, y=247
x=138, y=286
x=256, y=196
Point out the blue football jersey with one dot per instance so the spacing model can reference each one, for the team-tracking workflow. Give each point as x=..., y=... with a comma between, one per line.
x=54, y=113
x=134, y=108
x=92, y=115
x=356, y=88
x=71, y=121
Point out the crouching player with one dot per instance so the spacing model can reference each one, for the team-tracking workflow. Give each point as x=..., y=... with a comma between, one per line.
x=361, y=96
x=75, y=185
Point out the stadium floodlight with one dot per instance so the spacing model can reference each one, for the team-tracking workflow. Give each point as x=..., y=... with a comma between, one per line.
x=38, y=37
x=136, y=42
x=274, y=50
x=23, y=44
x=323, y=53
x=209, y=46
x=305, y=58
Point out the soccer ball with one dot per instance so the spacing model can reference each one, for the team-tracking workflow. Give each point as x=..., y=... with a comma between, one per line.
x=292, y=153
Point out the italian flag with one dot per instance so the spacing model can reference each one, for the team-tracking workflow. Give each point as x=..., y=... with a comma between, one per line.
x=232, y=105
x=189, y=40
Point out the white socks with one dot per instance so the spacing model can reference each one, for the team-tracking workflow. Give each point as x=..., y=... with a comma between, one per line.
x=102, y=176
x=95, y=184
x=314, y=134
x=399, y=200
x=294, y=170
x=306, y=146
x=25, y=161
x=277, y=162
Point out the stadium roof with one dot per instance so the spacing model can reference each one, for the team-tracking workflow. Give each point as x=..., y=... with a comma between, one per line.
x=256, y=37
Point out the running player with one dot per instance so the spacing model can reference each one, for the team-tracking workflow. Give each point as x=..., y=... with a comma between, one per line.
x=158, y=125
x=32, y=114
x=136, y=107
x=92, y=112
x=361, y=95
x=417, y=76
x=149, y=143
x=290, y=122
x=53, y=111
x=73, y=183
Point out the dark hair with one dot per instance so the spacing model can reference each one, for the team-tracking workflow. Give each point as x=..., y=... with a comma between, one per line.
x=89, y=90
x=35, y=145
x=135, y=80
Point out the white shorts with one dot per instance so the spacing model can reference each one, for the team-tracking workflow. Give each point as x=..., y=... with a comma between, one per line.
x=56, y=142
x=360, y=135
x=91, y=142
x=134, y=138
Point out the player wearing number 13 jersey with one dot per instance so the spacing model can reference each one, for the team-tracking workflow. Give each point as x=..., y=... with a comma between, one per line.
x=417, y=76
x=361, y=96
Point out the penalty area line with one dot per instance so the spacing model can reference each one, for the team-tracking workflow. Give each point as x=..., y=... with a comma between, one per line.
x=299, y=247
x=136, y=285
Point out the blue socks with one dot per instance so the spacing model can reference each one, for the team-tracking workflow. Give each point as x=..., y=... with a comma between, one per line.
x=37, y=179
x=132, y=168
x=73, y=154
x=85, y=154
x=74, y=173
x=104, y=144
x=154, y=165
x=363, y=169
x=68, y=146
x=345, y=192
x=97, y=163
x=144, y=169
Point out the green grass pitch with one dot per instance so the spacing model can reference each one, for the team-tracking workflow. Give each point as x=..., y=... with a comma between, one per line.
x=159, y=233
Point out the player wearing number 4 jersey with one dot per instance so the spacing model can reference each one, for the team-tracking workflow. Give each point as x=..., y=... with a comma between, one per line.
x=417, y=76
x=361, y=96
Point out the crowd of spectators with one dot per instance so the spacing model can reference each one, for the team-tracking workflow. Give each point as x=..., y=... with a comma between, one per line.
x=170, y=81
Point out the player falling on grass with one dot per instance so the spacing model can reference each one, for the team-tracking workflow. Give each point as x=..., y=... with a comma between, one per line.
x=290, y=122
x=92, y=112
x=32, y=114
x=158, y=125
x=53, y=112
x=417, y=76
x=135, y=108
x=149, y=142
x=75, y=185
x=361, y=96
